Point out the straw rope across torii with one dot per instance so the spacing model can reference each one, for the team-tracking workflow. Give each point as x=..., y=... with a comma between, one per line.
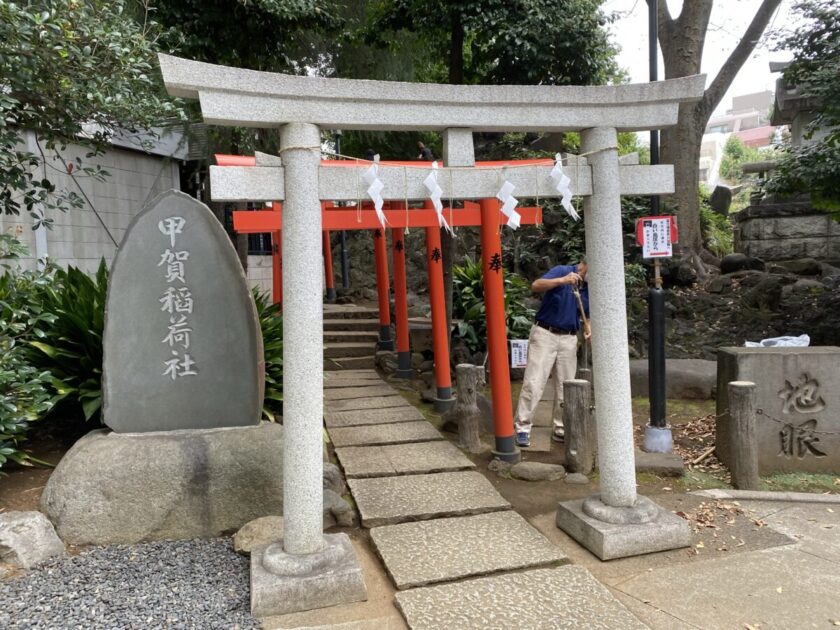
x=616, y=521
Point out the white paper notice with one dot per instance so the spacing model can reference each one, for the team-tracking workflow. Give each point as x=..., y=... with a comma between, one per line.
x=518, y=353
x=656, y=235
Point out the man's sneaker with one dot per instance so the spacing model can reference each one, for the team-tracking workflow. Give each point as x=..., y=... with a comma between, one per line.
x=559, y=435
x=523, y=439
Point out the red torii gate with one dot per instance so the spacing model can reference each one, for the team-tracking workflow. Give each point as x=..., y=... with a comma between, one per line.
x=484, y=214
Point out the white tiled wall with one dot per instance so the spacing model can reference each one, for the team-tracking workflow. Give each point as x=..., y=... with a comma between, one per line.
x=259, y=273
x=77, y=237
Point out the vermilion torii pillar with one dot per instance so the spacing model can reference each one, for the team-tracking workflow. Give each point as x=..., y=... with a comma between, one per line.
x=611, y=524
x=328, y=266
x=383, y=288
x=401, y=303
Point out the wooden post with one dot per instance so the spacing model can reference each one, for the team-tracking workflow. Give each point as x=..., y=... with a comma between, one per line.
x=579, y=425
x=744, y=445
x=466, y=414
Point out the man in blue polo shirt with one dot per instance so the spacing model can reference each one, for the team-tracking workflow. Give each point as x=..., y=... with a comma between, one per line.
x=552, y=345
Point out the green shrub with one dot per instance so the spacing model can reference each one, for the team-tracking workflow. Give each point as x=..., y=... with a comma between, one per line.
x=25, y=395
x=635, y=275
x=271, y=323
x=468, y=305
x=71, y=349
x=716, y=228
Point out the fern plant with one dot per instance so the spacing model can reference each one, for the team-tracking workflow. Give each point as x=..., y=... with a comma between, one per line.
x=271, y=323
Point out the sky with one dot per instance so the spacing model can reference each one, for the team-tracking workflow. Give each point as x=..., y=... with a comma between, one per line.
x=728, y=21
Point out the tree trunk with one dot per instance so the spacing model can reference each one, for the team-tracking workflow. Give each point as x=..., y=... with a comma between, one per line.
x=681, y=147
x=682, y=40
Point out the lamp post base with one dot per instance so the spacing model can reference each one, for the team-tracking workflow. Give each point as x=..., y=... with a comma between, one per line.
x=283, y=583
x=631, y=531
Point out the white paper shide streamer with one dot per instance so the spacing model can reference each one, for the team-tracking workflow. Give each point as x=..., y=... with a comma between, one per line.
x=435, y=194
x=509, y=203
x=561, y=185
x=375, y=186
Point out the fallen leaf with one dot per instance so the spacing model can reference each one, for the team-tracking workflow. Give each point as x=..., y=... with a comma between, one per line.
x=830, y=510
x=779, y=590
x=700, y=545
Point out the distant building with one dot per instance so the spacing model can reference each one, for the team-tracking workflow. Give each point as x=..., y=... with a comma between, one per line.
x=748, y=120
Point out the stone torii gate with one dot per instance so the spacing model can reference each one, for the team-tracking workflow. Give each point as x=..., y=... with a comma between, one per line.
x=317, y=569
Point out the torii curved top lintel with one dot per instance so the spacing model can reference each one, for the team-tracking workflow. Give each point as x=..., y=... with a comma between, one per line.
x=235, y=96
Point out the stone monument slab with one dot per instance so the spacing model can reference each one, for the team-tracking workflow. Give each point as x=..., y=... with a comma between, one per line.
x=388, y=500
x=372, y=416
x=447, y=549
x=565, y=597
x=399, y=433
x=798, y=395
x=182, y=342
x=401, y=459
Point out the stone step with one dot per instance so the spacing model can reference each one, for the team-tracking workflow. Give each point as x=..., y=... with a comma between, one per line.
x=348, y=350
x=349, y=363
x=565, y=597
x=358, y=336
x=372, y=434
x=370, y=391
x=385, y=402
x=401, y=459
x=336, y=311
x=448, y=549
x=351, y=324
x=391, y=500
x=363, y=417
x=348, y=382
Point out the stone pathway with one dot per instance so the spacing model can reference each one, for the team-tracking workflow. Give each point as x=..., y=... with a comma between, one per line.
x=434, y=520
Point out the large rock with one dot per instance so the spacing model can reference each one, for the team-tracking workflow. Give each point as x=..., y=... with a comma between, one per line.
x=27, y=539
x=737, y=262
x=182, y=345
x=684, y=378
x=537, y=471
x=127, y=488
x=261, y=531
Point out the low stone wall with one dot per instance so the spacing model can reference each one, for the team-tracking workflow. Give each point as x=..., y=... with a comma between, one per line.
x=785, y=231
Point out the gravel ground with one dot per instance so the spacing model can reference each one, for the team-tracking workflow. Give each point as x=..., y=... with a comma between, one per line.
x=171, y=584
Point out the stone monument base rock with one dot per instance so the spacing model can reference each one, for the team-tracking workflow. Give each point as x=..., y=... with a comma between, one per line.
x=196, y=483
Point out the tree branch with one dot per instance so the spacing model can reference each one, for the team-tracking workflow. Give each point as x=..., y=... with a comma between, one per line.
x=736, y=59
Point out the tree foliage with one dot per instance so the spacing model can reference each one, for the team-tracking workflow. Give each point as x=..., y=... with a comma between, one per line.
x=815, y=71
x=522, y=42
x=72, y=72
x=735, y=155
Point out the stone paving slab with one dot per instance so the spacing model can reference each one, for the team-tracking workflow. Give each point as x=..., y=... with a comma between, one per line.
x=350, y=382
x=362, y=417
x=540, y=440
x=401, y=459
x=368, y=374
x=565, y=597
x=389, y=500
x=775, y=588
x=382, y=402
x=345, y=393
x=447, y=549
x=398, y=433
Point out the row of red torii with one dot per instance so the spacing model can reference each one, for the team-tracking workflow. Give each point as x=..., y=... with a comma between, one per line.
x=301, y=107
x=485, y=215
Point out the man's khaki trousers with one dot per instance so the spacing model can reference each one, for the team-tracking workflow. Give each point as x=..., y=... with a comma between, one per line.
x=547, y=352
